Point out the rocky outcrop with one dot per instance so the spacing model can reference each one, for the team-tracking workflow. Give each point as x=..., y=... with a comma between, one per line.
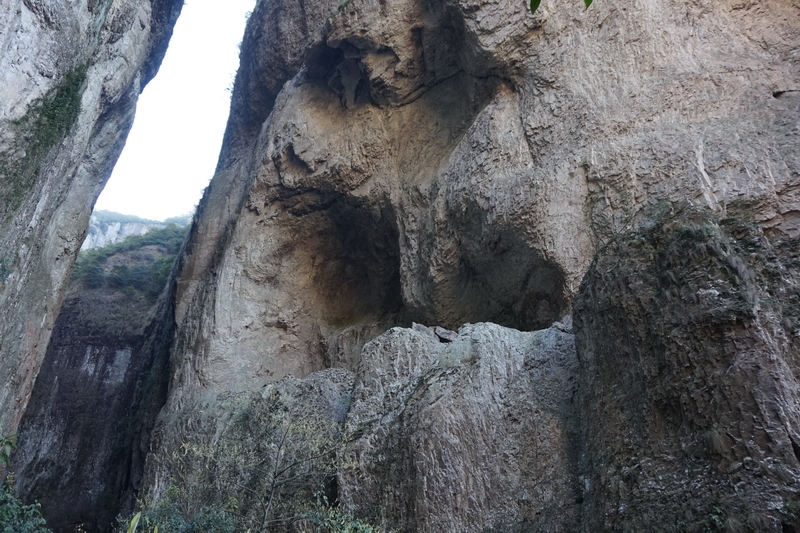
x=474, y=434
x=114, y=233
x=688, y=342
x=266, y=455
x=70, y=75
x=462, y=161
x=106, y=227
x=449, y=162
x=459, y=162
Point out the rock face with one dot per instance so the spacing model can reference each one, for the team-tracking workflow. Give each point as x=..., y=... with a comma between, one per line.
x=477, y=434
x=106, y=227
x=85, y=433
x=272, y=452
x=70, y=74
x=461, y=161
x=688, y=341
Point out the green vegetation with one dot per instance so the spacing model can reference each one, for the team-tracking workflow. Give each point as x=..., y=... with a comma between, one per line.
x=270, y=467
x=46, y=123
x=166, y=517
x=326, y=518
x=15, y=516
x=148, y=274
x=8, y=444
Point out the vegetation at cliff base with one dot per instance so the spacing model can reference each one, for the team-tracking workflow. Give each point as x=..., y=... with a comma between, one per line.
x=15, y=516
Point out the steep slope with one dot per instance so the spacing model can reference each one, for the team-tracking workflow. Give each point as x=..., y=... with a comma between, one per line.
x=86, y=430
x=107, y=227
x=689, y=343
x=458, y=162
x=70, y=75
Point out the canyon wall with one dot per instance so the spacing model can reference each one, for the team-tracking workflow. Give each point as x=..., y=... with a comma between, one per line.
x=494, y=174
x=461, y=161
x=85, y=433
x=688, y=342
x=464, y=161
x=70, y=74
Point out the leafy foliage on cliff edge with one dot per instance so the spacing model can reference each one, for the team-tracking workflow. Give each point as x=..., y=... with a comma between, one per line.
x=149, y=259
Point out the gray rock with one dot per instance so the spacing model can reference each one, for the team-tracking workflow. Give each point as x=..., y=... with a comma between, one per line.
x=86, y=430
x=445, y=335
x=82, y=66
x=461, y=162
x=473, y=435
x=688, y=379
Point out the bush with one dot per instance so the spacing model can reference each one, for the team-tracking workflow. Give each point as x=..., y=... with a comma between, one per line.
x=149, y=278
x=168, y=518
x=16, y=517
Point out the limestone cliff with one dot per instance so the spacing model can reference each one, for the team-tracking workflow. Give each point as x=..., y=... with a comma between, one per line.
x=460, y=161
x=106, y=227
x=466, y=164
x=70, y=74
x=463, y=161
x=688, y=342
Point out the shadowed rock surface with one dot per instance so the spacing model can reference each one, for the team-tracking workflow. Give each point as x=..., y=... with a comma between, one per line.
x=70, y=74
x=688, y=340
x=84, y=436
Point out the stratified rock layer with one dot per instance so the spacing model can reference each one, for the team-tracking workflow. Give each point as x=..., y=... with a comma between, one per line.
x=70, y=74
x=477, y=434
x=688, y=335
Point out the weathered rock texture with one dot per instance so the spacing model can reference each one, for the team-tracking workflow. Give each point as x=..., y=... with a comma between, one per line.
x=689, y=342
x=460, y=161
x=106, y=227
x=478, y=434
x=85, y=433
x=272, y=452
x=70, y=73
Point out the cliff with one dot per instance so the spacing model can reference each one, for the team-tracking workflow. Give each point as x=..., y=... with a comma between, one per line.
x=466, y=161
x=70, y=76
x=106, y=227
x=594, y=212
x=85, y=433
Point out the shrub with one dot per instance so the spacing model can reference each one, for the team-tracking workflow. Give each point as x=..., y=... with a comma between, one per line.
x=166, y=517
x=16, y=517
x=149, y=278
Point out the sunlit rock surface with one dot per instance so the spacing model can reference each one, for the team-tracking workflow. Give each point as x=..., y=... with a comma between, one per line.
x=462, y=161
x=474, y=434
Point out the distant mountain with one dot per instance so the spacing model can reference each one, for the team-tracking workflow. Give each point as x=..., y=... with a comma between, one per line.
x=106, y=227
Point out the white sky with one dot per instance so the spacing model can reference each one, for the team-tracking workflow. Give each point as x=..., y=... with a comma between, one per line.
x=173, y=146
